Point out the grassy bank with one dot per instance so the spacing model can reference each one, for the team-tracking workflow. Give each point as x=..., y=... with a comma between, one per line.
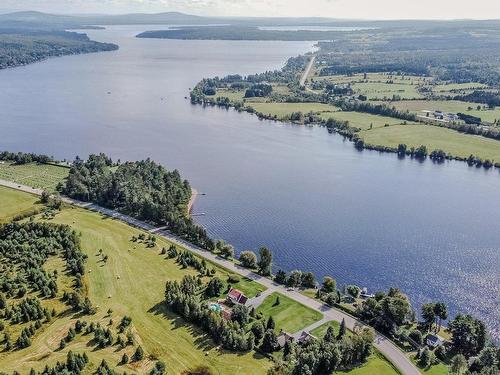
x=450, y=141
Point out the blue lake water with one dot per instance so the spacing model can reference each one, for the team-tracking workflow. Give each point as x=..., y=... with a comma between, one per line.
x=320, y=205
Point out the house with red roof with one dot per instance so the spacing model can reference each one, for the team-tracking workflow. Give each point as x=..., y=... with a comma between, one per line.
x=236, y=297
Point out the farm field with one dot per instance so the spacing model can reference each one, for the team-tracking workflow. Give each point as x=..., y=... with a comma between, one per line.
x=289, y=315
x=14, y=203
x=130, y=283
x=450, y=141
x=454, y=106
x=286, y=109
x=375, y=78
x=381, y=90
x=448, y=87
x=362, y=120
x=41, y=176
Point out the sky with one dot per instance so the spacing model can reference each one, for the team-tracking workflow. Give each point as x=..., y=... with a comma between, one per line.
x=354, y=9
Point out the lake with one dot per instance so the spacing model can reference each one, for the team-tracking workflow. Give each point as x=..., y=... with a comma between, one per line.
x=360, y=216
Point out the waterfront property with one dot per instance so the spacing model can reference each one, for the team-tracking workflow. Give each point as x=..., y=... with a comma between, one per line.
x=236, y=297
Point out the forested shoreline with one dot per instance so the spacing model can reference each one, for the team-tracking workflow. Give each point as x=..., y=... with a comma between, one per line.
x=21, y=47
x=143, y=189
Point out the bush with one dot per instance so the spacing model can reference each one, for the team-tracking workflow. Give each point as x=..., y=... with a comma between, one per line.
x=248, y=259
x=233, y=279
x=416, y=336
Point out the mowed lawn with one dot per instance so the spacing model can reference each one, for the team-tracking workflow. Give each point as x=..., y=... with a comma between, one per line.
x=13, y=203
x=132, y=283
x=453, y=106
x=450, y=141
x=41, y=176
x=320, y=331
x=362, y=120
x=290, y=316
x=376, y=365
x=286, y=109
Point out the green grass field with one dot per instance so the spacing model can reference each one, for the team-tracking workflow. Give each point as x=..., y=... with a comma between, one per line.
x=381, y=90
x=376, y=365
x=41, y=176
x=375, y=78
x=239, y=95
x=454, y=106
x=320, y=331
x=458, y=86
x=289, y=315
x=14, y=203
x=131, y=283
x=281, y=110
x=450, y=141
x=439, y=369
x=362, y=120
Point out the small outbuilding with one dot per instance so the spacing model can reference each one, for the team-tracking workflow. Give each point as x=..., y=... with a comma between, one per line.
x=433, y=341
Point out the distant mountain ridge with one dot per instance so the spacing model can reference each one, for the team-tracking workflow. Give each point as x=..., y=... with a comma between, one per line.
x=178, y=18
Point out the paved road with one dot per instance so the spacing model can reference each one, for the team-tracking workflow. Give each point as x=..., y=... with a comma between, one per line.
x=384, y=345
x=307, y=71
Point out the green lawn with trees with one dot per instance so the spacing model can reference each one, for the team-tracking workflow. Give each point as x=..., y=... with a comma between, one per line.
x=377, y=364
x=321, y=330
x=288, y=314
x=130, y=282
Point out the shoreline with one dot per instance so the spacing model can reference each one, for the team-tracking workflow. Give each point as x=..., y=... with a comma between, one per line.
x=383, y=344
x=194, y=194
x=495, y=165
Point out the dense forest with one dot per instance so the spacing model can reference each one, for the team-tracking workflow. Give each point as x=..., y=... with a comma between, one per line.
x=447, y=53
x=18, y=47
x=142, y=189
x=238, y=32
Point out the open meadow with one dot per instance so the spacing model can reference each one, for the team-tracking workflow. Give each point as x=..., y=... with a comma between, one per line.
x=40, y=176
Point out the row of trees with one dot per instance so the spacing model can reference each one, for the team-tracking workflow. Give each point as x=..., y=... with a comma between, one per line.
x=24, y=158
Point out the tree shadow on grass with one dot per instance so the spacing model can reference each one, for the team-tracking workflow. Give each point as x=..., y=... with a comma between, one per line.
x=202, y=340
